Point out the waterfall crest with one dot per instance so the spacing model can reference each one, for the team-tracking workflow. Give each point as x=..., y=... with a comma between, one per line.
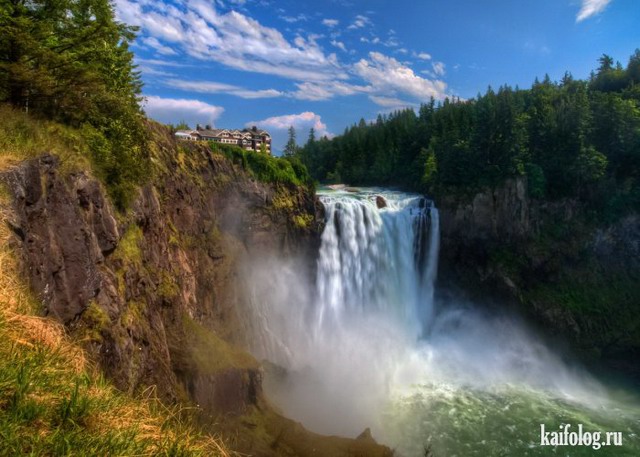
x=379, y=261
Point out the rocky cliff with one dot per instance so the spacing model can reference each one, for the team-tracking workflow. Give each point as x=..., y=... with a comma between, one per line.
x=153, y=294
x=575, y=274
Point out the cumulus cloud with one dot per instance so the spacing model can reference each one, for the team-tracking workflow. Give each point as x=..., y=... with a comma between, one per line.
x=387, y=75
x=211, y=87
x=423, y=56
x=172, y=110
x=591, y=8
x=199, y=30
x=302, y=121
x=330, y=22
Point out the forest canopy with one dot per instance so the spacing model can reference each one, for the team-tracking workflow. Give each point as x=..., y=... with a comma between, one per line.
x=571, y=138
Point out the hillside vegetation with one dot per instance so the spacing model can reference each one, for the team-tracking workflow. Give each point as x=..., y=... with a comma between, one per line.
x=68, y=88
x=570, y=139
x=53, y=401
x=70, y=62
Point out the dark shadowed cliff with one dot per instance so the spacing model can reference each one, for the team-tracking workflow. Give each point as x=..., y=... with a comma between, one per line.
x=575, y=274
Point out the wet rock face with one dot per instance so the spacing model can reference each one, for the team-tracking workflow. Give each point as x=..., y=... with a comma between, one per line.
x=66, y=229
x=381, y=202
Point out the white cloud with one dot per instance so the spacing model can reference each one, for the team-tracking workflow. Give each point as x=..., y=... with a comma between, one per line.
x=294, y=19
x=325, y=91
x=339, y=45
x=330, y=22
x=302, y=121
x=171, y=110
x=438, y=68
x=158, y=62
x=392, y=42
x=591, y=8
x=150, y=71
x=390, y=102
x=360, y=22
x=211, y=87
x=386, y=75
x=230, y=38
x=159, y=47
x=201, y=30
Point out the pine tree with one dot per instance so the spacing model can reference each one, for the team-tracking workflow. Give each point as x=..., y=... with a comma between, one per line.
x=69, y=60
x=291, y=148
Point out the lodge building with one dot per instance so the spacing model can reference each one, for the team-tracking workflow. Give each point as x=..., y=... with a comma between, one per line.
x=248, y=139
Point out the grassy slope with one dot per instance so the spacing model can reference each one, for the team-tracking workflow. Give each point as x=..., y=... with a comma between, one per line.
x=52, y=400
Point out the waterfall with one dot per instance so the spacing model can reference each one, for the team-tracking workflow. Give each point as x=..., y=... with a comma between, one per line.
x=377, y=260
x=342, y=334
x=363, y=345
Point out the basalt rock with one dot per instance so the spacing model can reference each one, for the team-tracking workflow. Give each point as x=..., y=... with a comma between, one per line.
x=66, y=229
x=381, y=202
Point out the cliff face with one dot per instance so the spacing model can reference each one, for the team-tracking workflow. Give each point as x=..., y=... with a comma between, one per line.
x=154, y=294
x=576, y=275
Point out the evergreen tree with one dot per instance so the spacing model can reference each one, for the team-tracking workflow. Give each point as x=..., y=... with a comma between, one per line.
x=291, y=148
x=69, y=60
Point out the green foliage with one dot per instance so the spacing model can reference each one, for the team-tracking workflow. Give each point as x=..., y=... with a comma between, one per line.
x=291, y=148
x=128, y=250
x=69, y=61
x=96, y=320
x=572, y=139
x=535, y=180
x=605, y=302
x=210, y=353
x=430, y=167
x=280, y=170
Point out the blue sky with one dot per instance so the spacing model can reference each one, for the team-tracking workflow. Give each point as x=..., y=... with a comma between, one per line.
x=326, y=64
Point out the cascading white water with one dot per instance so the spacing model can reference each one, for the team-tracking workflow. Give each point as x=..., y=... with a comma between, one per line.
x=364, y=346
x=376, y=261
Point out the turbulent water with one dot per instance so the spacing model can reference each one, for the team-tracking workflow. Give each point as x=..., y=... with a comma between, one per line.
x=369, y=347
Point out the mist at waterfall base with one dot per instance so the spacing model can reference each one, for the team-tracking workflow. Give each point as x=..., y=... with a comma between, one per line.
x=363, y=345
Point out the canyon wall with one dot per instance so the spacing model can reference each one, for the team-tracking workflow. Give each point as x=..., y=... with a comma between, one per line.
x=575, y=274
x=155, y=295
